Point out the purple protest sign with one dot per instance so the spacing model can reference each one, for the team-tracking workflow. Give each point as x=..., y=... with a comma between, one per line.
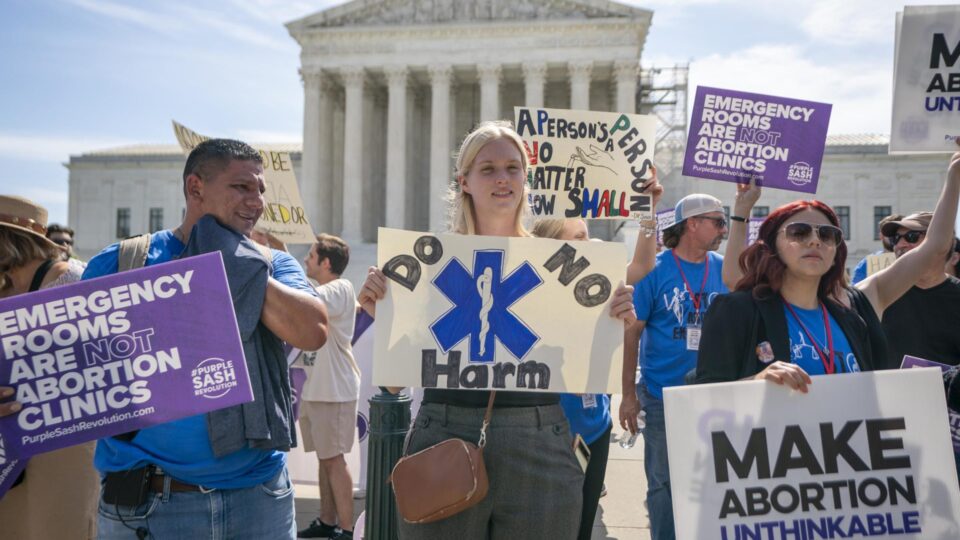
x=914, y=362
x=119, y=353
x=9, y=472
x=298, y=377
x=738, y=135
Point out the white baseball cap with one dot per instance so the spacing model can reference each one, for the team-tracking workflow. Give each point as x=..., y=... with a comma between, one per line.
x=695, y=205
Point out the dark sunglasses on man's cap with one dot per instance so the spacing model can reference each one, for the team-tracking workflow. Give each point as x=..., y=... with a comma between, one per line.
x=912, y=237
x=800, y=232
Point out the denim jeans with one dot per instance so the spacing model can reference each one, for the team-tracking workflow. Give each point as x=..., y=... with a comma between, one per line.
x=656, y=467
x=262, y=511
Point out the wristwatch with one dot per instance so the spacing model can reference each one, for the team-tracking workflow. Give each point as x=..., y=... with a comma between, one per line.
x=738, y=218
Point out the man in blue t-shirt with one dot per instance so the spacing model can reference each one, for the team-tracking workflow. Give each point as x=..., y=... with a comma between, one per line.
x=670, y=303
x=192, y=493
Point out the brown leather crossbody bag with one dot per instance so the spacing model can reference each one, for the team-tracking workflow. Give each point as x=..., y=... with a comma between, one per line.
x=442, y=480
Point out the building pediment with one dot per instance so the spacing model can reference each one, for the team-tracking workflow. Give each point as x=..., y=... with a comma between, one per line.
x=362, y=13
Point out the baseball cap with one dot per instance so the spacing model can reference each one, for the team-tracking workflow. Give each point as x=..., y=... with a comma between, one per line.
x=914, y=222
x=695, y=205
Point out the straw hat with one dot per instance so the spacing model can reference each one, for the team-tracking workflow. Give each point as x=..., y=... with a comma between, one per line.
x=26, y=216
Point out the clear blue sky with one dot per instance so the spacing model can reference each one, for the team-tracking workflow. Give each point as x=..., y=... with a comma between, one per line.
x=81, y=75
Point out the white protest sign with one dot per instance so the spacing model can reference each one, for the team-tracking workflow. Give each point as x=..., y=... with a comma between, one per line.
x=481, y=312
x=588, y=164
x=861, y=455
x=284, y=215
x=926, y=89
x=878, y=261
x=665, y=220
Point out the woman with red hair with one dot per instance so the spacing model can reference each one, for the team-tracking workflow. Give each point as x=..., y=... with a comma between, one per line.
x=793, y=315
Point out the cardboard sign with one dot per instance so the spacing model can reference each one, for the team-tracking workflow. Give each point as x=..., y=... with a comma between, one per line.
x=861, y=455
x=910, y=362
x=877, y=262
x=735, y=136
x=481, y=312
x=284, y=215
x=118, y=353
x=926, y=88
x=588, y=164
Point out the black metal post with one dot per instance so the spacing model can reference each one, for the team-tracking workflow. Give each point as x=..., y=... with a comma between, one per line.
x=389, y=422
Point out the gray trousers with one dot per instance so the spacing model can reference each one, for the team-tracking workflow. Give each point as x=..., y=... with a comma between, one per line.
x=536, y=483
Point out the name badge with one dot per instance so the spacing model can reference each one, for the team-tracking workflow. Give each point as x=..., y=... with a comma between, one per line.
x=589, y=400
x=693, y=338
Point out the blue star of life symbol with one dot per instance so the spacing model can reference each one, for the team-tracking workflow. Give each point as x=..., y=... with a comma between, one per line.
x=481, y=306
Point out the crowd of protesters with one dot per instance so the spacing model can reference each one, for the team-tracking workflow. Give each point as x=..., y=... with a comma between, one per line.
x=780, y=310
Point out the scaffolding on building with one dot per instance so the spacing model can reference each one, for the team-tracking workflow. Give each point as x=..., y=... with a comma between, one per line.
x=663, y=93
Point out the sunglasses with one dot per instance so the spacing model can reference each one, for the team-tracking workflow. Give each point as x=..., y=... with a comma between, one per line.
x=720, y=222
x=912, y=237
x=800, y=232
x=62, y=242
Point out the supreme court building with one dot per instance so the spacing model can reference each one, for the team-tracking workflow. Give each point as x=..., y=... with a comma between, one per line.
x=391, y=87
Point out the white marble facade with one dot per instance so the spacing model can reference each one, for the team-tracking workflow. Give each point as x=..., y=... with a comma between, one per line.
x=392, y=86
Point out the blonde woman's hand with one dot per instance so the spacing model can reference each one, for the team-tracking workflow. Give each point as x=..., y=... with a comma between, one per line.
x=373, y=290
x=621, y=307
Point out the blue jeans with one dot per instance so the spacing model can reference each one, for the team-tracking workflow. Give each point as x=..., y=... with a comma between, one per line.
x=656, y=467
x=262, y=511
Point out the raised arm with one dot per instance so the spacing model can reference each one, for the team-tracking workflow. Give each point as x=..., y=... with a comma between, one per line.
x=645, y=252
x=747, y=196
x=294, y=316
x=889, y=284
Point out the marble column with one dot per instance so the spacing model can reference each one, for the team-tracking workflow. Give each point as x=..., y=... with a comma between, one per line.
x=396, y=188
x=314, y=173
x=625, y=73
x=534, y=78
x=353, y=78
x=440, y=163
x=489, y=77
x=580, y=84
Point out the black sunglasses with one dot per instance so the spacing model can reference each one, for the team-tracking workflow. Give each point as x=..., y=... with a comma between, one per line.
x=62, y=241
x=720, y=222
x=800, y=232
x=912, y=237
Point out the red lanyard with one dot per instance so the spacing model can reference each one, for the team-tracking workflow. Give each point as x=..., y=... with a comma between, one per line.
x=828, y=366
x=706, y=272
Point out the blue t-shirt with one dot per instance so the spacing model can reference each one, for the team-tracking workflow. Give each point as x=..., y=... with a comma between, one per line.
x=664, y=302
x=805, y=355
x=182, y=447
x=588, y=414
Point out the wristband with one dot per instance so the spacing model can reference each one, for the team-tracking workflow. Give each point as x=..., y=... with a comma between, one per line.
x=738, y=218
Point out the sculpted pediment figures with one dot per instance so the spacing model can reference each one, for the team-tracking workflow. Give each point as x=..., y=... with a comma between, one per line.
x=392, y=12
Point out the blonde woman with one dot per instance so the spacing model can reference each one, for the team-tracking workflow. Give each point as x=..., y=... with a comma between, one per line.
x=535, y=480
x=57, y=494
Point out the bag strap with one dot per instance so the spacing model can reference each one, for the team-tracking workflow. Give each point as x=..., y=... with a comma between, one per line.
x=133, y=252
x=131, y=256
x=40, y=274
x=486, y=421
